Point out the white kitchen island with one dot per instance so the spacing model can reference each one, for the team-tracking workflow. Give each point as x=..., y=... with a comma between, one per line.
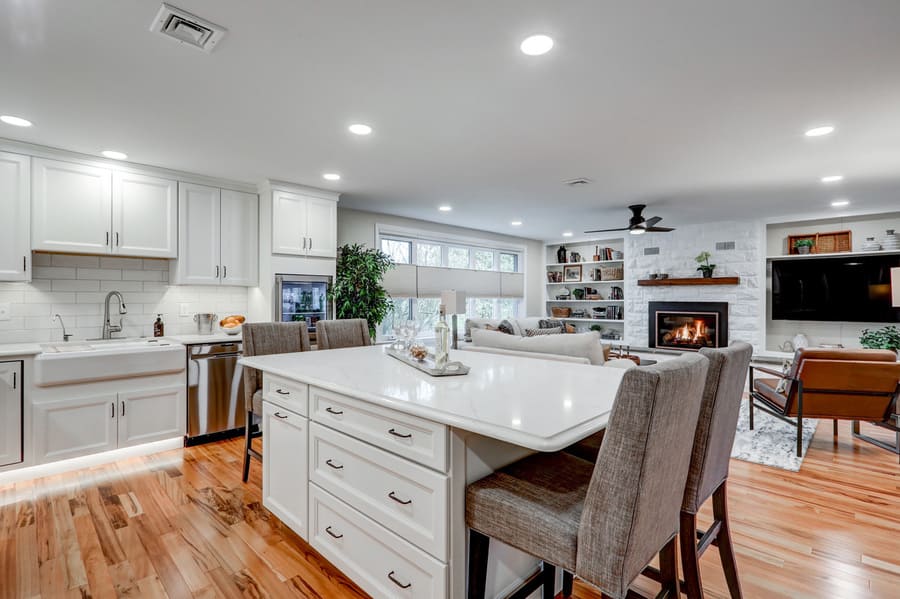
x=368, y=458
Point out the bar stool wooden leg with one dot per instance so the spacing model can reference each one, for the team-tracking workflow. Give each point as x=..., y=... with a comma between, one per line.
x=726, y=550
x=248, y=439
x=690, y=559
x=668, y=569
x=479, y=545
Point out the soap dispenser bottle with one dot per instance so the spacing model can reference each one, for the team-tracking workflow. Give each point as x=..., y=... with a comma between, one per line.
x=159, y=328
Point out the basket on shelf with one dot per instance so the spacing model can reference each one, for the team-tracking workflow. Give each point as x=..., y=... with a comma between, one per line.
x=611, y=273
x=560, y=312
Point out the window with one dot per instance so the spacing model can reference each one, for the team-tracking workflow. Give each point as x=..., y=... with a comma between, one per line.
x=494, y=308
x=403, y=309
x=458, y=257
x=508, y=307
x=484, y=260
x=400, y=251
x=428, y=254
x=427, y=314
x=509, y=262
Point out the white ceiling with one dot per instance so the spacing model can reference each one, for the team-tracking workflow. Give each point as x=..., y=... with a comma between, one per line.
x=696, y=107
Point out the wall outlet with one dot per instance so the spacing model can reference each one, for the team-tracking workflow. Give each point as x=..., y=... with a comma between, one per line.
x=184, y=309
x=5, y=310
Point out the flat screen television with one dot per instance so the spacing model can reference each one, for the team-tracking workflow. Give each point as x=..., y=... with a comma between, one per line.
x=852, y=289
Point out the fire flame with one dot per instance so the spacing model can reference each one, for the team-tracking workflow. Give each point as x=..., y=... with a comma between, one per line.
x=689, y=334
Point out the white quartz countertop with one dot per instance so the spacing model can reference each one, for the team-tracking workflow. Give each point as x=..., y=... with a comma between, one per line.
x=200, y=339
x=541, y=405
x=8, y=350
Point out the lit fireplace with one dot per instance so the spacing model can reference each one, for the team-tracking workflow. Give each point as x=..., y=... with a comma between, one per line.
x=688, y=325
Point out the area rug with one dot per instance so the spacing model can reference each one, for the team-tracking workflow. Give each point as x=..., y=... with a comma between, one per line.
x=772, y=442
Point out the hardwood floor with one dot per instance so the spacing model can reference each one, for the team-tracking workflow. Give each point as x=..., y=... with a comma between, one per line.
x=181, y=524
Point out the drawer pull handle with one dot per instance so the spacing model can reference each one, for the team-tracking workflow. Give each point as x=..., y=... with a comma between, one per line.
x=333, y=534
x=333, y=465
x=331, y=410
x=398, y=500
x=279, y=415
x=401, y=435
x=397, y=582
x=282, y=392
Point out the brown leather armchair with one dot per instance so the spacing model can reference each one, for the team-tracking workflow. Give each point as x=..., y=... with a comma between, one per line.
x=840, y=384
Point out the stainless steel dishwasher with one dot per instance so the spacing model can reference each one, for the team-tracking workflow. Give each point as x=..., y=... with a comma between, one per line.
x=215, y=392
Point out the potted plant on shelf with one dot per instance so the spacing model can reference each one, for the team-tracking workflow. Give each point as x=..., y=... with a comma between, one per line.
x=884, y=338
x=804, y=246
x=357, y=291
x=705, y=267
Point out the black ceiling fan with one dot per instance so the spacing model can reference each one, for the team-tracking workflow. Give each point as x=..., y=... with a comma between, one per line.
x=637, y=224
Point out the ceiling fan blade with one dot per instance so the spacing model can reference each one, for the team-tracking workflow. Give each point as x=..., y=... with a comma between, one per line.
x=659, y=229
x=607, y=230
x=652, y=221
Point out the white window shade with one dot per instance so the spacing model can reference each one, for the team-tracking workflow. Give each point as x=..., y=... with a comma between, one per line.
x=473, y=283
x=512, y=285
x=400, y=281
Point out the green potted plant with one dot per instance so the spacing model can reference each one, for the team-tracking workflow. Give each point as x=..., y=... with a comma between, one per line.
x=804, y=246
x=705, y=267
x=357, y=291
x=884, y=338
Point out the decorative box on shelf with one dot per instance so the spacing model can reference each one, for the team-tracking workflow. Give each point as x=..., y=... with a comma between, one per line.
x=823, y=243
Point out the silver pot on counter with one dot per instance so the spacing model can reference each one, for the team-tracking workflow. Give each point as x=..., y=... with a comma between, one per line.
x=205, y=323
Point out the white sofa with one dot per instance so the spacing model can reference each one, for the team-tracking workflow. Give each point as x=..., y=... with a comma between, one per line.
x=584, y=348
x=519, y=325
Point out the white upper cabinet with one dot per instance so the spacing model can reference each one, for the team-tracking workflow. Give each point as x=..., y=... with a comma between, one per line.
x=71, y=207
x=303, y=225
x=321, y=228
x=198, y=235
x=90, y=210
x=144, y=216
x=218, y=237
x=15, y=212
x=239, y=238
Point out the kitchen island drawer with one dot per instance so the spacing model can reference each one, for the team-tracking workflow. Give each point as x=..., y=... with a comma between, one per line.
x=287, y=393
x=376, y=559
x=404, y=497
x=416, y=439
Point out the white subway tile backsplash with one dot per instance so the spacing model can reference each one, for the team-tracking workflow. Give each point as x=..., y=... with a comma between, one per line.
x=76, y=286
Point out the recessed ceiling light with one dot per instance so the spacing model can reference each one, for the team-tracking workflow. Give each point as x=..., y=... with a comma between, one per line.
x=16, y=121
x=114, y=154
x=840, y=203
x=536, y=45
x=567, y=233
x=516, y=223
x=445, y=208
x=832, y=178
x=820, y=131
x=331, y=177
x=360, y=129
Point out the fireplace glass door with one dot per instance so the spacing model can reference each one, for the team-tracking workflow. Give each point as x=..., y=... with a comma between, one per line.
x=687, y=330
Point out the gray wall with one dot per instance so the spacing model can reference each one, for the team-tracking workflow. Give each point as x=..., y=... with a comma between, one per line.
x=356, y=226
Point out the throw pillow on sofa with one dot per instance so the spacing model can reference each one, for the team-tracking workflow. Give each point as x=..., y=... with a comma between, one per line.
x=507, y=327
x=537, y=332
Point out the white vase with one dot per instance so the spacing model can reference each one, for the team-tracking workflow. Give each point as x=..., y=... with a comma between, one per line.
x=890, y=240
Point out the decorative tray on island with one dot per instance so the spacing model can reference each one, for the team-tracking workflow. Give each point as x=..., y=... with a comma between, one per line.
x=426, y=365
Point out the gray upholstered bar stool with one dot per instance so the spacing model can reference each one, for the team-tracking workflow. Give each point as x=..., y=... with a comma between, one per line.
x=607, y=521
x=348, y=332
x=262, y=339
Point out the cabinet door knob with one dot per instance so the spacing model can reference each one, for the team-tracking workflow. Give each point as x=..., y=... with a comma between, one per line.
x=332, y=533
x=112, y=409
x=123, y=408
x=333, y=465
x=224, y=272
x=401, y=435
x=331, y=410
x=107, y=238
x=217, y=271
x=397, y=582
x=117, y=239
x=282, y=392
x=280, y=415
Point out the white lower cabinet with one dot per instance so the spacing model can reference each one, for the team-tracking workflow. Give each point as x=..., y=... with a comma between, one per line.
x=285, y=439
x=376, y=559
x=10, y=413
x=70, y=428
x=151, y=415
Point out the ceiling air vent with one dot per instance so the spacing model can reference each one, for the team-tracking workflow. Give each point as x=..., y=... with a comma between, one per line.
x=577, y=182
x=186, y=28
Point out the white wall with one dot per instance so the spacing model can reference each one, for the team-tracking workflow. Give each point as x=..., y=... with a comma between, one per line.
x=75, y=287
x=356, y=226
x=676, y=257
x=820, y=332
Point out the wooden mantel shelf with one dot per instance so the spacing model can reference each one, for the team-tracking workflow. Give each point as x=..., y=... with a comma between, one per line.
x=690, y=281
